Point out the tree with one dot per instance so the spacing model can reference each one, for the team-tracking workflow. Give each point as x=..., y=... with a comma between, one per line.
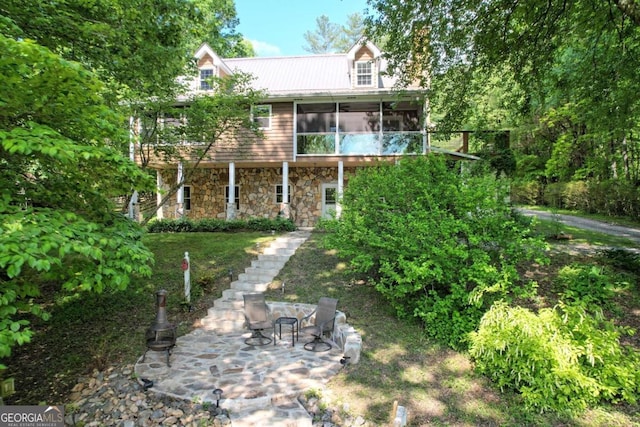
x=575, y=66
x=352, y=32
x=324, y=38
x=60, y=169
x=208, y=120
x=330, y=37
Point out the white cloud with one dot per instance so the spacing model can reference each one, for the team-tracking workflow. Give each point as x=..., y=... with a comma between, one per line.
x=265, y=49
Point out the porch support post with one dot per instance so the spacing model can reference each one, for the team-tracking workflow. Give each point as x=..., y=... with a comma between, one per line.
x=231, y=202
x=159, y=185
x=285, y=211
x=340, y=188
x=180, y=194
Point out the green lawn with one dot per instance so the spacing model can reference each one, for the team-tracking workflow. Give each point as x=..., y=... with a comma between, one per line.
x=437, y=385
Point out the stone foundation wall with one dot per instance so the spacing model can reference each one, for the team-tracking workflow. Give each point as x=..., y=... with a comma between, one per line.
x=257, y=188
x=344, y=335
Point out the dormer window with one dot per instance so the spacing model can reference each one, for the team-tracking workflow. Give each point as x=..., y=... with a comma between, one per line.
x=364, y=73
x=205, y=79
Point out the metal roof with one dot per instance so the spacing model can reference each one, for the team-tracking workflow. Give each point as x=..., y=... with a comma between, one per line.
x=302, y=74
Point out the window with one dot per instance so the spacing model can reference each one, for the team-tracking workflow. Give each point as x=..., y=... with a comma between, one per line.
x=279, y=194
x=261, y=115
x=205, y=79
x=237, y=195
x=187, y=198
x=364, y=74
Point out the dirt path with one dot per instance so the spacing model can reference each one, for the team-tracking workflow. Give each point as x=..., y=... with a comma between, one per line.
x=632, y=234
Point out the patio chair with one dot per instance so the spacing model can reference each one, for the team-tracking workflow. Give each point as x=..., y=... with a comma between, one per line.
x=325, y=316
x=256, y=314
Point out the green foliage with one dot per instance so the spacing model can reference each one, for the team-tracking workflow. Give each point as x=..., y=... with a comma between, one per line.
x=440, y=246
x=567, y=89
x=526, y=192
x=59, y=172
x=622, y=259
x=561, y=359
x=611, y=197
x=329, y=37
x=588, y=284
x=185, y=225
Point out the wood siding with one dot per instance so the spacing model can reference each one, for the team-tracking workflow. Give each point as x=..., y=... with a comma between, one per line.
x=275, y=147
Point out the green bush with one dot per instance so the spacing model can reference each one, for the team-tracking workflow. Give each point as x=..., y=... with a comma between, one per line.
x=439, y=245
x=575, y=195
x=526, y=192
x=588, y=284
x=561, y=359
x=185, y=225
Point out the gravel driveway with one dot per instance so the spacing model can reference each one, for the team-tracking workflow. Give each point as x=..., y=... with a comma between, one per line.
x=632, y=234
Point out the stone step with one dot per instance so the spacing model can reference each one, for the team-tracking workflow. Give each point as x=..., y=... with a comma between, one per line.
x=250, y=287
x=279, y=251
x=215, y=315
x=228, y=304
x=271, y=416
x=233, y=294
x=287, y=242
x=274, y=258
x=258, y=271
x=268, y=264
x=255, y=278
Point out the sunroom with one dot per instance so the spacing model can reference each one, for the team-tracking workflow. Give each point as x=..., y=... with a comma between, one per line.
x=359, y=128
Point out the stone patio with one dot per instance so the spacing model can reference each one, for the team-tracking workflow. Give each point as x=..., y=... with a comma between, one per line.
x=260, y=384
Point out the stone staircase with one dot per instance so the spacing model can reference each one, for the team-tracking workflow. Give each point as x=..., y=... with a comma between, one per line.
x=227, y=313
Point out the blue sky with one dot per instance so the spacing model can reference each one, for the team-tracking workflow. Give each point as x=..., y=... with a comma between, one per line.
x=277, y=27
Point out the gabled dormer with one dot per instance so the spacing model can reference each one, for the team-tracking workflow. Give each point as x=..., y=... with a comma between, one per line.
x=364, y=63
x=209, y=65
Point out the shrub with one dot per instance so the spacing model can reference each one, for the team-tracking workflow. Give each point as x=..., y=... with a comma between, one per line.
x=526, y=192
x=439, y=245
x=587, y=284
x=184, y=225
x=561, y=359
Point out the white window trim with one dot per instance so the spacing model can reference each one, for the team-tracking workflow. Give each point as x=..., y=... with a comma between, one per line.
x=236, y=195
x=185, y=198
x=359, y=74
x=269, y=117
x=213, y=74
x=276, y=194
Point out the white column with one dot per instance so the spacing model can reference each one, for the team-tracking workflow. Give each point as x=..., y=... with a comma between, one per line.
x=231, y=205
x=285, y=212
x=340, y=188
x=180, y=194
x=159, y=185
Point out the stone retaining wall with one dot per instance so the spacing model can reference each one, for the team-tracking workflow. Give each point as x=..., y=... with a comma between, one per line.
x=344, y=335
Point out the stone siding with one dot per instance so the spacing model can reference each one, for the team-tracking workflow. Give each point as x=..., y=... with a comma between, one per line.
x=257, y=192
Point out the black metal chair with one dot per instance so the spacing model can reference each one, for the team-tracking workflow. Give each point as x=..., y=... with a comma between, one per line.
x=256, y=314
x=323, y=323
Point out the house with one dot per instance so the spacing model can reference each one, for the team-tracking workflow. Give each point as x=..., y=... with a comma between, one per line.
x=324, y=117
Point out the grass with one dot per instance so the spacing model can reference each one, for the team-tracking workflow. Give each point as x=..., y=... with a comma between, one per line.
x=93, y=331
x=437, y=385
